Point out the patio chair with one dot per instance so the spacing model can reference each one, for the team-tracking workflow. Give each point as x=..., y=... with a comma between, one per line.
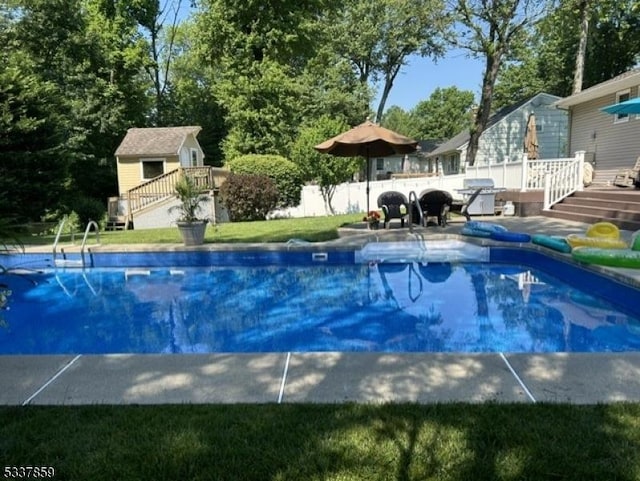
x=628, y=177
x=435, y=203
x=394, y=205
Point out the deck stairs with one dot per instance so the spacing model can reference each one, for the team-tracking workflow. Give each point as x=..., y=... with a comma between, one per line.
x=618, y=205
x=156, y=193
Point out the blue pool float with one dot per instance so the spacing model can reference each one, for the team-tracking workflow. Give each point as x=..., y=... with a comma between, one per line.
x=556, y=243
x=493, y=231
x=481, y=229
x=509, y=236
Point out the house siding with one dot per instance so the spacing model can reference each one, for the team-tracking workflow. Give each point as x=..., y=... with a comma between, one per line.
x=130, y=171
x=191, y=142
x=504, y=141
x=610, y=145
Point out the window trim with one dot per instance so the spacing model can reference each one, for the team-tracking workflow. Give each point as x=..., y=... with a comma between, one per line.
x=621, y=118
x=193, y=162
x=143, y=161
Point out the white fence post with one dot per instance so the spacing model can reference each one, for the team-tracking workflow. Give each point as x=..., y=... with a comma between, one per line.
x=523, y=173
x=547, y=192
x=580, y=177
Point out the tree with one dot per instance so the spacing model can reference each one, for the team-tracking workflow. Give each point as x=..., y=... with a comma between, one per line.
x=327, y=171
x=191, y=96
x=548, y=61
x=379, y=37
x=584, y=10
x=258, y=60
x=92, y=63
x=444, y=114
x=33, y=164
x=159, y=22
x=399, y=120
x=491, y=29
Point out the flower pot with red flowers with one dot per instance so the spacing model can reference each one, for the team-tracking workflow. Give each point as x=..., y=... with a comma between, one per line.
x=372, y=219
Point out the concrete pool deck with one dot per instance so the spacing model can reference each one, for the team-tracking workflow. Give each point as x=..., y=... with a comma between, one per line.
x=580, y=378
x=319, y=378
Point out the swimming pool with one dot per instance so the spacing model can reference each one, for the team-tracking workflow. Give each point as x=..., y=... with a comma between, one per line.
x=489, y=299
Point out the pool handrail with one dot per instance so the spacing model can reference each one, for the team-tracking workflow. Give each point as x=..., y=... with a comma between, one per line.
x=66, y=262
x=413, y=201
x=86, y=234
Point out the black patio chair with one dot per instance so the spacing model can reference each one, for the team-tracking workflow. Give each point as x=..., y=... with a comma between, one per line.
x=394, y=205
x=435, y=203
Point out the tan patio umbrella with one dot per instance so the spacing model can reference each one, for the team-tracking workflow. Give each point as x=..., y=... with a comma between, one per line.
x=367, y=140
x=531, y=138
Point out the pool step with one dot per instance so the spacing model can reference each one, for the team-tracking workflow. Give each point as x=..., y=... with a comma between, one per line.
x=69, y=263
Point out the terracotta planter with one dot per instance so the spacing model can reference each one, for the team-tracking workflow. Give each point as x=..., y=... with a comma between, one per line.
x=192, y=232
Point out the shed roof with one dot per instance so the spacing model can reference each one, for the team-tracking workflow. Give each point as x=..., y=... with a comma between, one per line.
x=155, y=140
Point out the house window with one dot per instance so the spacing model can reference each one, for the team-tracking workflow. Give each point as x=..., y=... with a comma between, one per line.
x=451, y=164
x=194, y=158
x=152, y=169
x=379, y=164
x=622, y=96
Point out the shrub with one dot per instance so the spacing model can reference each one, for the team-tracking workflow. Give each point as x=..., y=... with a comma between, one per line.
x=285, y=174
x=88, y=209
x=248, y=196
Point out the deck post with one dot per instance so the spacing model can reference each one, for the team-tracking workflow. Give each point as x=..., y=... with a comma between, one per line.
x=524, y=175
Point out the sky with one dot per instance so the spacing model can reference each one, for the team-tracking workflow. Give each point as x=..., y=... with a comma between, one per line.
x=418, y=80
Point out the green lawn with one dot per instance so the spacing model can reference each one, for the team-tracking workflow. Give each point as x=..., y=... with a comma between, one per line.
x=326, y=442
x=311, y=229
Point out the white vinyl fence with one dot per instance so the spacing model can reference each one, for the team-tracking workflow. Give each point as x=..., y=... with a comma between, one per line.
x=522, y=175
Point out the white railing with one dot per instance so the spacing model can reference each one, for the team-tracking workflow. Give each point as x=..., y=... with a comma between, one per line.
x=559, y=178
x=564, y=181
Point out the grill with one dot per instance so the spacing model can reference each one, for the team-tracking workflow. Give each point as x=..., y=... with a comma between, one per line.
x=485, y=202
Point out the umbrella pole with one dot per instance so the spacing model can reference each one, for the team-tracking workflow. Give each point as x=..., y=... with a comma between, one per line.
x=368, y=173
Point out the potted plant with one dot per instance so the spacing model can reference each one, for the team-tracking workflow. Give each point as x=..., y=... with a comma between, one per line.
x=372, y=219
x=191, y=227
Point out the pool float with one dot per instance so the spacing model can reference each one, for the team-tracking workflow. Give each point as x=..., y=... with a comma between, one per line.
x=601, y=234
x=481, y=229
x=493, y=231
x=556, y=243
x=604, y=230
x=611, y=257
x=509, y=236
x=635, y=241
x=607, y=257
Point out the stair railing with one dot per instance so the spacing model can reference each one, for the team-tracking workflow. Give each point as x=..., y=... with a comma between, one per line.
x=163, y=186
x=563, y=182
x=152, y=190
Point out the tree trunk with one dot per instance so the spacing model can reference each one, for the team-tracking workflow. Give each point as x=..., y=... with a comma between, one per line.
x=484, y=109
x=388, y=84
x=583, y=6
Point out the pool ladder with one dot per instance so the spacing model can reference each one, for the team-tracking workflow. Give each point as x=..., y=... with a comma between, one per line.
x=65, y=261
x=413, y=201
